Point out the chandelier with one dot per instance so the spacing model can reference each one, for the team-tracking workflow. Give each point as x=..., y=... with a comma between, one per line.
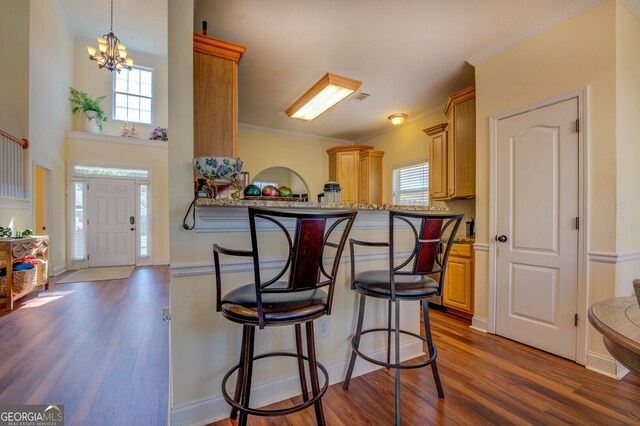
x=111, y=54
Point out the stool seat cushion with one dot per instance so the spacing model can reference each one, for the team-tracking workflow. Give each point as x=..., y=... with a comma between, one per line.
x=376, y=283
x=290, y=307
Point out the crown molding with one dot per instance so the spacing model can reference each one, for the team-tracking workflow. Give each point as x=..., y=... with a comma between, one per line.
x=555, y=19
x=293, y=134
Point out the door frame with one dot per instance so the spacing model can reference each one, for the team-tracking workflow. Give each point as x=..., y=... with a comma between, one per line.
x=75, y=177
x=583, y=161
x=48, y=188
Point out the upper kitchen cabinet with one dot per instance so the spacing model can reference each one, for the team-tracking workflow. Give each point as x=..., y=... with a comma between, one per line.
x=461, y=144
x=215, y=96
x=438, y=161
x=358, y=170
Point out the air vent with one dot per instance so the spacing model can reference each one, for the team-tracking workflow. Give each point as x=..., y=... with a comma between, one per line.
x=360, y=97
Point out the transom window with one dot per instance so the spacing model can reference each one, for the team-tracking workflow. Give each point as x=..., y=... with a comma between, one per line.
x=411, y=184
x=133, y=95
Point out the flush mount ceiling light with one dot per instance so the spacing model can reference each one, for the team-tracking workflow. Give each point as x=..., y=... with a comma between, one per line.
x=397, y=119
x=111, y=54
x=327, y=92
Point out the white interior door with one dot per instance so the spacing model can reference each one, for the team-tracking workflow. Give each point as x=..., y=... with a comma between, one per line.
x=42, y=199
x=110, y=233
x=537, y=248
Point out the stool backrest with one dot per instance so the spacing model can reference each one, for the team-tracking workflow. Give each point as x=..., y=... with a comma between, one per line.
x=430, y=250
x=308, y=234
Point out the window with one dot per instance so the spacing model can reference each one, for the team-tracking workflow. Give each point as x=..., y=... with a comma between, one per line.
x=78, y=228
x=411, y=184
x=143, y=220
x=133, y=95
x=261, y=185
x=107, y=171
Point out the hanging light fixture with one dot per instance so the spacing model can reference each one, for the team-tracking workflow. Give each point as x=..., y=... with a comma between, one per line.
x=111, y=54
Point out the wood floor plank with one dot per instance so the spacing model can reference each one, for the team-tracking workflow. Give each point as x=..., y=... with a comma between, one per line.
x=100, y=348
x=487, y=380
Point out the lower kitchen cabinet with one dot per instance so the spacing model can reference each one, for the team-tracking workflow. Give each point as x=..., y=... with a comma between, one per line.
x=458, y=285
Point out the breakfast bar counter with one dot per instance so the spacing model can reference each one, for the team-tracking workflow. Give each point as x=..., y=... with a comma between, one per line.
x=211, y=202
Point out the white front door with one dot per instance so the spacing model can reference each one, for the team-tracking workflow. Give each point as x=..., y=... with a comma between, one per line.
x=110, y=234
x=537, y=248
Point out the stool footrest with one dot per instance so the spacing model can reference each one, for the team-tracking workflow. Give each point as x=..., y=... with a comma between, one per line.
x=391, y=364
x=280, y=412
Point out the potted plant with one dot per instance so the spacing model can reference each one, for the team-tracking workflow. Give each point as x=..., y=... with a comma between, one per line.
x=93, y=112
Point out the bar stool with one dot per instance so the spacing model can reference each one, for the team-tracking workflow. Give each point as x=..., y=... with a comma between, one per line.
x=304, y=295
x=411, y=280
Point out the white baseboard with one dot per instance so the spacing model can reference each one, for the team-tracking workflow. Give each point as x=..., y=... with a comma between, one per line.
x=479, y=324
x=605, y=365
x=214, y=408
x=60, y=269
x=160, y=261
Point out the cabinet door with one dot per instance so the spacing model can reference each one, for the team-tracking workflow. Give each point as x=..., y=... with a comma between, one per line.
x=465, y=149
x=438, y=166
x=451, y=158
x=347, y=173
x=457, y=286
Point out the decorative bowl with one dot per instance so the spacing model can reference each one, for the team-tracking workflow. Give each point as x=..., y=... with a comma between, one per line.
x=217, y=168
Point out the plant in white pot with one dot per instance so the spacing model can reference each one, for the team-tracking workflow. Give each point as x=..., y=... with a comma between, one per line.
x=90, y=107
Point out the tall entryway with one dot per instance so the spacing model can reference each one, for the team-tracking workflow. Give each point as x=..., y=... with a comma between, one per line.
x=537, y=222
x=41, y=199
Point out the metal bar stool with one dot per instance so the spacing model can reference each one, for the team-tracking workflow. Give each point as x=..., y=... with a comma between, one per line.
x=303, y=296
x=411, y=280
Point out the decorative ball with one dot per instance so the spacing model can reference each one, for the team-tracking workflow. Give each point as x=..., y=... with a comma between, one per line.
x=285, y=191
x=252, y=191
x=270, y=191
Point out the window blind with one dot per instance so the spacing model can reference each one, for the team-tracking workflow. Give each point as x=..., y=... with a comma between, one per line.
x=411, y=184
x=78, y=229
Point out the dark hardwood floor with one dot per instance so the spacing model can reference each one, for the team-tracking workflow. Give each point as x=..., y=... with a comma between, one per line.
x=100, y=348
x=488, y=380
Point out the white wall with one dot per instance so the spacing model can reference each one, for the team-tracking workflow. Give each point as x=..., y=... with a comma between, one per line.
x=50, y=72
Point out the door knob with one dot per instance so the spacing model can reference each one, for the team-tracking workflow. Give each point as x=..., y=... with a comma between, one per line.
x=501, y=238
x=133, y=229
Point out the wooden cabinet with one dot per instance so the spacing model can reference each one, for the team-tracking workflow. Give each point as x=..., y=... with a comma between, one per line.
x=370, y=182
x=438, y=161
x=358, y=170
x=458, y=285
x=452, y=156
x=16, y=248
x=215, y=96
x=461, y=144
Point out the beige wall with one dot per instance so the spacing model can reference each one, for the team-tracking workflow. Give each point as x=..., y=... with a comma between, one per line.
x=582, y=52
x=14, y=74
x=14, y=86
x=87, y=77
x=628, y=152
x=51, y=48
x=95, y=152
x=307, y=156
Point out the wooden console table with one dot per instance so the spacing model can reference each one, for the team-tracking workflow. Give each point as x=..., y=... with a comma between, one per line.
x=16, y=248
x=619, y=322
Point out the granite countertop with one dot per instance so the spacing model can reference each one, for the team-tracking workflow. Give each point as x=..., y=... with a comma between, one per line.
x=210, y=202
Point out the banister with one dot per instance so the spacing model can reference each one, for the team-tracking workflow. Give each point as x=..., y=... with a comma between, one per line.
x=22, y=142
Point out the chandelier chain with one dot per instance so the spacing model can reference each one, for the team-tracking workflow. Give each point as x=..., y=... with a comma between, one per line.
x=111, y=15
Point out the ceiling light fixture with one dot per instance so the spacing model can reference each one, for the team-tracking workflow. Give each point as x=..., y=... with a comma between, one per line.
x=112, y=54
x=397, y=119
x=327, y=92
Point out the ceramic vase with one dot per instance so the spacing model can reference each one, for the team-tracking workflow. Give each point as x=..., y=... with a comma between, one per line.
x=90, y=122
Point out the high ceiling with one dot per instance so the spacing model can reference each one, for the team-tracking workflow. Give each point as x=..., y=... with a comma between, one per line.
x=409, y=54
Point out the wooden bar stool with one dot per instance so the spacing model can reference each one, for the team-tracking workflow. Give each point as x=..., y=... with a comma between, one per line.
x=411, y=280
x=305, y=294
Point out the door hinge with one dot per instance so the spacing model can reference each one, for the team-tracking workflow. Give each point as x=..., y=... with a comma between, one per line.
x=87, y=187
x=578, y=125
x=576, y=320
x=87, y=222
x=577, y=222
x=88, y=256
